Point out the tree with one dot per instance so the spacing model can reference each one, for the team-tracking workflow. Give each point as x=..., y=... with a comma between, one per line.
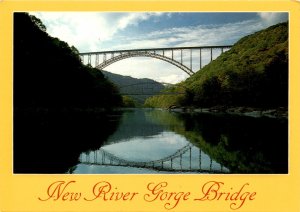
x=38, y=23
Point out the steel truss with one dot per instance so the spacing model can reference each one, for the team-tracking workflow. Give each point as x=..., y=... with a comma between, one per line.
x=157, y=53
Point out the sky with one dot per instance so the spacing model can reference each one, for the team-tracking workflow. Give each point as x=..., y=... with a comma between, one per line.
x=102, y=31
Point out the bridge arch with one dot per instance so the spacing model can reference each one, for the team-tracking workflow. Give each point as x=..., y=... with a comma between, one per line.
x=175, y=162
x=126, y=55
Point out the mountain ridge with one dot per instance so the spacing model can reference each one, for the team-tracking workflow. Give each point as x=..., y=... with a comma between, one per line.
x=138, y=89
x=253, y=73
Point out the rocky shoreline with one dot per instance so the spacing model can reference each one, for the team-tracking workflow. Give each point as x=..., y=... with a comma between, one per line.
x=280, y=112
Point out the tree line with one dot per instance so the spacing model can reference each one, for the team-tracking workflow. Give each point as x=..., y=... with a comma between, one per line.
x=48, y=73
x=253, y=73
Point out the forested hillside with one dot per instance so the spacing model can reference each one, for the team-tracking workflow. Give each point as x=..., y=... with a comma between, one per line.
x=49, y=74
x=253, y=73
x=58, y=102
x=137, y=90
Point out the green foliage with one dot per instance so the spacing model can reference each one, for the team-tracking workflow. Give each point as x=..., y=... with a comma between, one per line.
x=254, y=72
x=161, y=101
x=128, y=85
x=171, y=96
x=49, y=73
x=128, y=102
x=38, y=23
x=229, y=139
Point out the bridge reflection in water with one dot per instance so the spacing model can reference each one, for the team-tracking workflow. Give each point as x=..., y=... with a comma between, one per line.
x=149, y=141
x=179, y=161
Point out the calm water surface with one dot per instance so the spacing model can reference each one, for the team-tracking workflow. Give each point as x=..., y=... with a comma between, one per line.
x=158, y=141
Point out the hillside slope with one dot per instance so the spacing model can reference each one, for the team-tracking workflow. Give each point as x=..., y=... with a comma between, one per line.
x=49, y=74
x=138, y=89
x=56, y=101
x=253, y=73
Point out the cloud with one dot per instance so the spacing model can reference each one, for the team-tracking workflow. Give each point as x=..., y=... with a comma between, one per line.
x=172, y=78
x=201, y=35
x=91, y=31
x=148, y=68
x=270, y=18
x=87, y=30
x=182, y=36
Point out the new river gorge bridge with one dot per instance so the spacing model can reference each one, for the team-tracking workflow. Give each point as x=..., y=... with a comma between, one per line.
x=181, y=57
x=179, y=161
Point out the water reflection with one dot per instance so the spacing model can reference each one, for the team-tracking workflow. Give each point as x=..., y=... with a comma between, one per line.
x=154, y=141
x=156, y=154
x=51, y=141
x=148, y=141
x=144, y=144
x=243, y=144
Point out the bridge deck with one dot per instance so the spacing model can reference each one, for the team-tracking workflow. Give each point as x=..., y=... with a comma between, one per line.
x=156, y=49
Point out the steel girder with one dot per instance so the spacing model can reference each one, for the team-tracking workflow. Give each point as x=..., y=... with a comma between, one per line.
x=144, y=54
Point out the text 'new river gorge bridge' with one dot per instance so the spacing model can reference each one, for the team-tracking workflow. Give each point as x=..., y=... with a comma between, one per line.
x=182, y=57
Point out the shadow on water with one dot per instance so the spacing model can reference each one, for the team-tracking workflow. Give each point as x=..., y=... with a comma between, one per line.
x=242, y=144
x=51, y=142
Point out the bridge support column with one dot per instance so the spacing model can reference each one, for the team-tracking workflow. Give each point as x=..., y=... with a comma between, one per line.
x=89, y=59
x=190, y=158
x=95, y=157
x=88, y=158
x=181, y=161
x=97, y=60
x=181, y=55
x=211, y=54
x=200, y=152
x=191, y=59
x=200, y=53
x=104, y=57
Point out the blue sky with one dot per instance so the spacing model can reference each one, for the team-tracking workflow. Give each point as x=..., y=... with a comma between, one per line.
x=100, y=31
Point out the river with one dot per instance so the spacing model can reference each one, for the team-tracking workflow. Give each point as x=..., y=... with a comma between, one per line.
x=153, y=141
x=141, y=141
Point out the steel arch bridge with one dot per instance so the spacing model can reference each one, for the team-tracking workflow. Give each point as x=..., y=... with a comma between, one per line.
x=164, y=54
x=171, y=163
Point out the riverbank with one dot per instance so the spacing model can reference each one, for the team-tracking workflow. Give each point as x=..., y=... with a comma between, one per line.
x=246, y=111
x=50, y=140
x=280, y=112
